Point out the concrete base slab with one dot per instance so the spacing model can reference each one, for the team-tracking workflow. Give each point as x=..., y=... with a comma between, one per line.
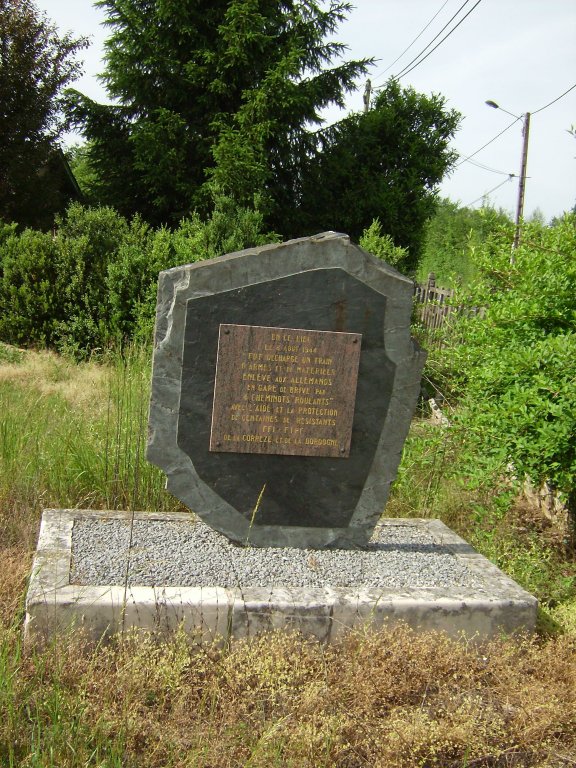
x=489, y=603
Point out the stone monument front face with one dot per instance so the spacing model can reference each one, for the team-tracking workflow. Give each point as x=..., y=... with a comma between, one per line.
x=283, y=387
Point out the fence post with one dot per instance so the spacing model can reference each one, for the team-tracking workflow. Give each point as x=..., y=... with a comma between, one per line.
x=431, y=284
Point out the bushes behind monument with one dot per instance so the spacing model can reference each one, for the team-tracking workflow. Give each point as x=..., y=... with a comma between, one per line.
x=511, y=369
x=91, y=284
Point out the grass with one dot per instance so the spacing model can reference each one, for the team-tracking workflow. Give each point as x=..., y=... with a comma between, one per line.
x=392, y=698
x=536, y=551
x=72, y=436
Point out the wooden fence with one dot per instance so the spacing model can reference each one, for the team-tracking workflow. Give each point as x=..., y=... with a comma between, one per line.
x=432, y=301
x=433, y=307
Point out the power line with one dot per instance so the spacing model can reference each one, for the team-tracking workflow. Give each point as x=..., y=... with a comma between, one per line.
x=434, y=38
x=493, y=170
x=490, y=191
x=406, y=71
x=418, y=36
x=465, y=159
x=555, y=100
x=487, y=168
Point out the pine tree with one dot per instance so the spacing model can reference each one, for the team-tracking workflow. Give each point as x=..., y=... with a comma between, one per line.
x=211, y=98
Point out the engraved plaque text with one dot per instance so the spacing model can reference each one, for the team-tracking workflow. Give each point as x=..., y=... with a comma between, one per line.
x=284, y=391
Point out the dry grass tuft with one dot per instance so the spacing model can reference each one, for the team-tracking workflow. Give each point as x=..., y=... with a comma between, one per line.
x=82, y=385
x=388, y=699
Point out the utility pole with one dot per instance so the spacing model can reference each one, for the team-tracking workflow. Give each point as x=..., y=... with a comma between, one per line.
x=522, y=184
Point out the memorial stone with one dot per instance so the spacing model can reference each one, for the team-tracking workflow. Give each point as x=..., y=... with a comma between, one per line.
x=284, y=383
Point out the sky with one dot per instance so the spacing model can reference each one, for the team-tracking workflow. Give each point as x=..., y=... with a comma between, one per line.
x=520, y=54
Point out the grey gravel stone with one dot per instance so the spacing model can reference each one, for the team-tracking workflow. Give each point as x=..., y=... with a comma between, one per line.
x=190, y=553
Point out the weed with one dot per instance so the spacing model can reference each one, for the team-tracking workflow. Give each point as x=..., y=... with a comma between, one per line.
x=10, y=354
x=393, y=698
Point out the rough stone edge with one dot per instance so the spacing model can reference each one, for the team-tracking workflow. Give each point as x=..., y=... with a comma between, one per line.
x=53, y=605
x=180, y=284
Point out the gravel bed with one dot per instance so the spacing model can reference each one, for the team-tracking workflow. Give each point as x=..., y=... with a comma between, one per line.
x=190, y=553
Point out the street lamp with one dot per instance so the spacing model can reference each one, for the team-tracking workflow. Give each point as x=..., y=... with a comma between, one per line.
x=522, y=183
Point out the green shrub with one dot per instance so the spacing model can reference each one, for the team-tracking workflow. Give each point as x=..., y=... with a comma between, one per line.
x=382, y=246
x=6, y=230
x=513, y=369
x=89, y=240
x=230, y=228
x=161, y=255
x=132, y=278
x=128, y=278
x=31, y=301
x=93, y=285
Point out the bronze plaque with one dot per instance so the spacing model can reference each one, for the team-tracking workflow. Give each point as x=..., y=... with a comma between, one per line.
x=284, y=390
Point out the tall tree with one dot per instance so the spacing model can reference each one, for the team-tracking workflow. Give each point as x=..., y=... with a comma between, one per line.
x=385, y=163
x=217, y=95
x=36, y=64
x=452, y=235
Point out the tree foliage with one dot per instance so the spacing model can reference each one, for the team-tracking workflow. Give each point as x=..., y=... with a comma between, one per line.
x=451, y=236
x=36, y=64
x=513, y=369
x=385, y=163
x=217, y=95
x=93, y=285
x=227, y=100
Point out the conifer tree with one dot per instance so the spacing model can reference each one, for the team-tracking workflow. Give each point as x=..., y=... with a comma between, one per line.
x=211, y=98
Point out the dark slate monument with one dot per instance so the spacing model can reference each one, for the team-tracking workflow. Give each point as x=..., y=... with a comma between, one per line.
x=283, y=387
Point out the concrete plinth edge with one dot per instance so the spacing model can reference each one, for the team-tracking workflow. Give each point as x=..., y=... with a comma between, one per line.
x=494, y=605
